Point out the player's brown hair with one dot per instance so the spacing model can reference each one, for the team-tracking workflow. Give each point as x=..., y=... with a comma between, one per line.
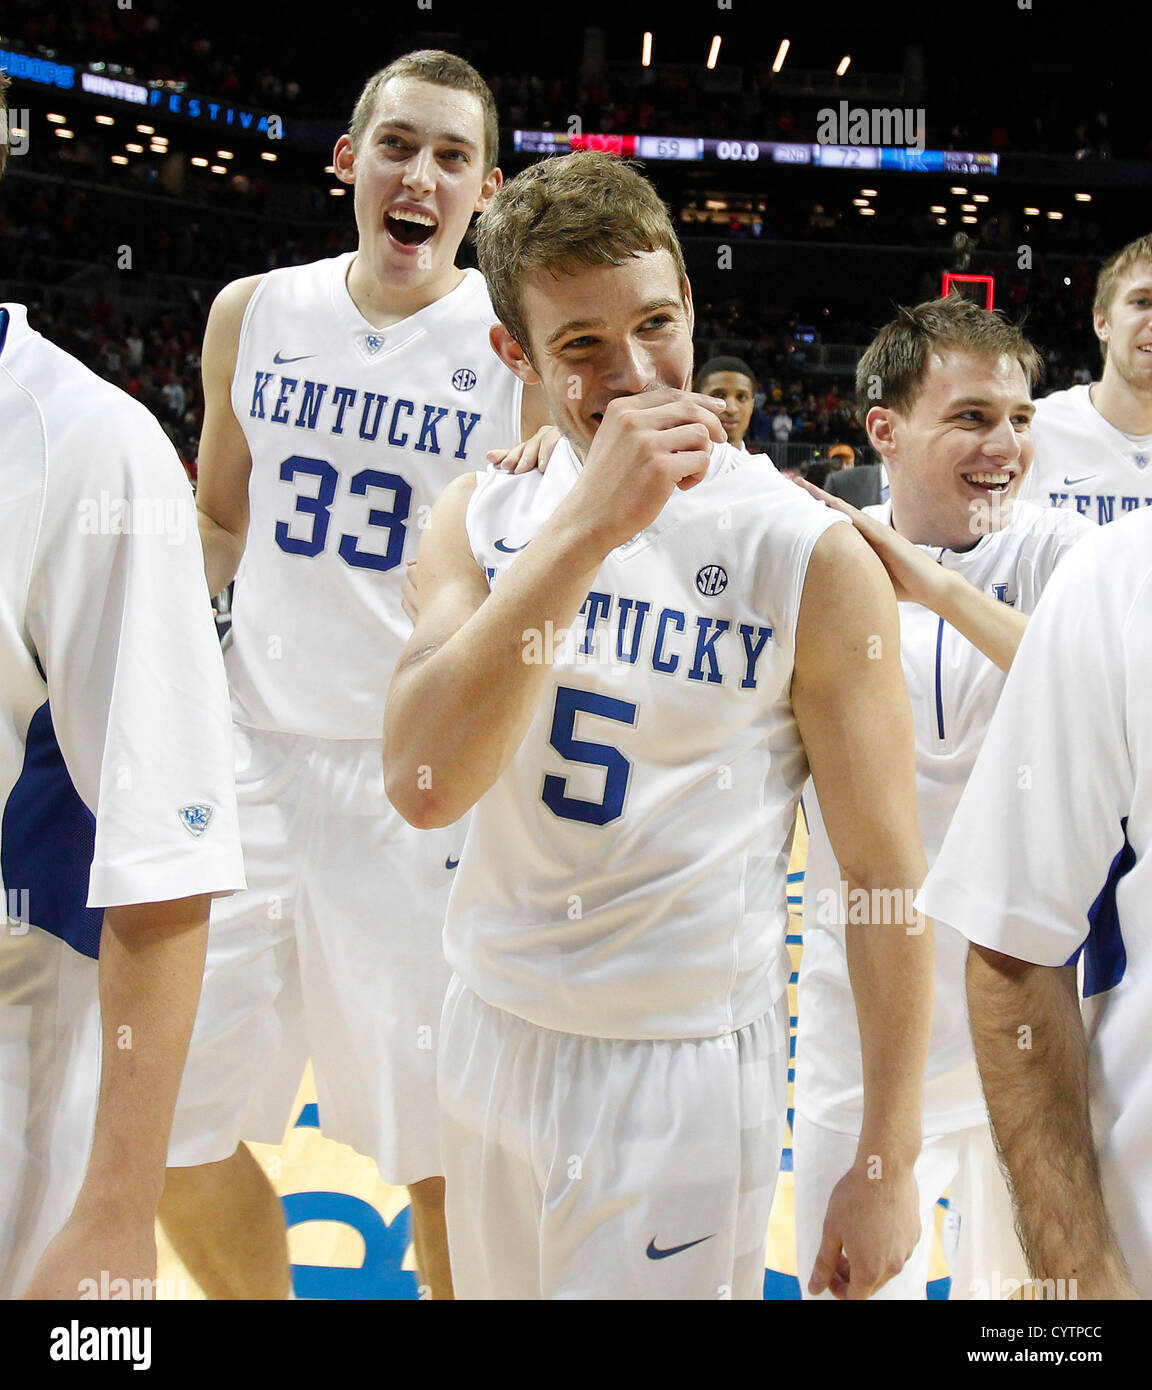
x=442, y=69
x=891, y=371
x=566, y=214
x=3, y=120
x=1113, y=271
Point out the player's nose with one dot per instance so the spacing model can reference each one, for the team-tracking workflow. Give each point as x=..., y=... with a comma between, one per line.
x=1003, y=442
x=419, y=172
x=632, y=369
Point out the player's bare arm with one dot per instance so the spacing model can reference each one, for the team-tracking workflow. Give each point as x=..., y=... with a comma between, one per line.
x=994, y=627
x=224, y=462
x=1038, y=1103
x=854, y=715
x=151, y=964
x=463, y=696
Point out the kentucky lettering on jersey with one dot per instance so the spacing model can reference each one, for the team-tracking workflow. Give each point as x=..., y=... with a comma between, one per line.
x=694, y=659
x=1105, y=509
x=314, y=405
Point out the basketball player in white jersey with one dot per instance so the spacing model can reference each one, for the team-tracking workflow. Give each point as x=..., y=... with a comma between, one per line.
x=950, y=421
x=1094, y=443
x=340, y=398
x=1058, y=808
x=118, y=814
x=614, y=1046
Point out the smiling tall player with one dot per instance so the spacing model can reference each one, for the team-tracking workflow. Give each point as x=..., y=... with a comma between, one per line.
x=340, y=399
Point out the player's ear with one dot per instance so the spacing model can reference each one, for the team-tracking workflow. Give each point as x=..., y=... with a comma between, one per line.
x=344, y=160
x=687, y=295
x=1100, y=324
x=512, y=354
x=880, y=425
x=488, y=190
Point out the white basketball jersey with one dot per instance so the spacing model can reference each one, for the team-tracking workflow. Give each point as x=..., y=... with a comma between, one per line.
x=625, y=877
x=354, y=432
x=116, y=782
x=1085, y=464
x=1065, y=851
x=954, y=688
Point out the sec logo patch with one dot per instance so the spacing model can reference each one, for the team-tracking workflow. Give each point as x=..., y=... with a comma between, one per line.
x=712, y=580
x=464, y=379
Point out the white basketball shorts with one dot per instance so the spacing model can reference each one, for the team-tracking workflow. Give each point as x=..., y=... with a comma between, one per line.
x=594, y=1168
x=335, y=952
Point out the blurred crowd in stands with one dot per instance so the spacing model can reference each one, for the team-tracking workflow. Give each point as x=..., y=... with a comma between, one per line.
x=140, y=323
x=210, y=53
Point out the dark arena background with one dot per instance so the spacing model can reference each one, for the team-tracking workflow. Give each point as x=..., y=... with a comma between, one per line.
x=823, y=164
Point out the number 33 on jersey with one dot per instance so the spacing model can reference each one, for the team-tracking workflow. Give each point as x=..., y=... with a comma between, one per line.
x=354, y=431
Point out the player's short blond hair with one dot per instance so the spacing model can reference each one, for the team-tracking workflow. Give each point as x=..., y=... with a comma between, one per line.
x=1113, y=271
x=891, y=371
x=567, y=214
x=443, y=70
x=3, y=119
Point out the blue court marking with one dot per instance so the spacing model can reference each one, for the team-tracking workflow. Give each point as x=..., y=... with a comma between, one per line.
x=779, y=1287
x=786, y=1161
x=795, y=975
x=797, y=876
x=795, y=939
x=380, y=1275
x=309, y=1117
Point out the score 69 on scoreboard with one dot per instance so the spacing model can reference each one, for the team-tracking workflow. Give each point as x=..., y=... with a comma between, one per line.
x=705, y=149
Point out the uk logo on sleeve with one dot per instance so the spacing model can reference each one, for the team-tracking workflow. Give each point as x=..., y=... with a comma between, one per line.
x=195, y=819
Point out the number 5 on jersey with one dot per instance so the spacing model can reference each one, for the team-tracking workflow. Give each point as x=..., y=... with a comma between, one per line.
x=617, y=768
x=317, y=507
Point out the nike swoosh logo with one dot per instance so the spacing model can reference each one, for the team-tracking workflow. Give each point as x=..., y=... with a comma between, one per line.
x=509, y=549
x=654, y=1254
x=1071, y=482
x=283, y=361
x=450, y=863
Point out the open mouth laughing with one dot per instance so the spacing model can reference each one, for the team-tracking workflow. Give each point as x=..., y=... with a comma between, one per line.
x=408, y=227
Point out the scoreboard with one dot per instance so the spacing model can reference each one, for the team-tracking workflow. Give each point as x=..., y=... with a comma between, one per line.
x=706, y=149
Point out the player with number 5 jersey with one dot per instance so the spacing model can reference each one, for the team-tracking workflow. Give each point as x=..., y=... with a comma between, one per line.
x=340, y=399
x=627, y=665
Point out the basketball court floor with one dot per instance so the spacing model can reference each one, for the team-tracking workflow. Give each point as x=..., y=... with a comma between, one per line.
x=349, y=1234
